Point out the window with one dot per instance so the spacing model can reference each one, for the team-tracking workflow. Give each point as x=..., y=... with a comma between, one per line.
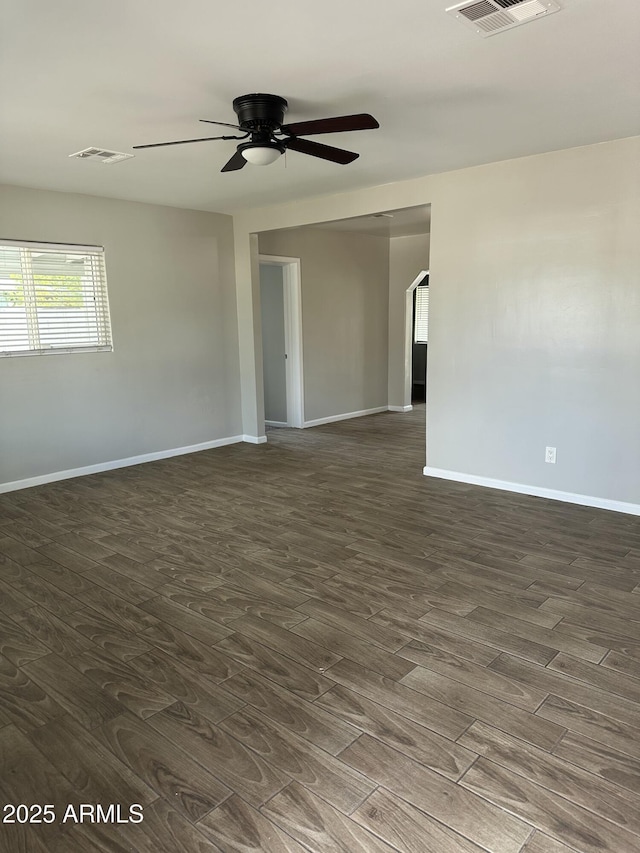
x=53, y=299
x=421, y=313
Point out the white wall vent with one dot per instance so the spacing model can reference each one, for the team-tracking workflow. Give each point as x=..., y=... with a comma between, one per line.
x=489, y=17
x=102, y=155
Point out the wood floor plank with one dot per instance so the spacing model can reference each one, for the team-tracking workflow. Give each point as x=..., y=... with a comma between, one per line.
x=125, y=684
x=552, y=815
x=11, y=600
x=243, y=582
x=544, y=636
x=163, y=830
x=199, y=579
x=17, y=551
x=553, y=773
x=90, y=769
x=204, y=603
x=306, y=719
x=592, y=724
x=279, y=564
x=86, y=703
x=120, y=545
x=416, y=741
x=496, y=639
x=577, y=613
x=387, y=639
x=231, y=599
x=262, y=610
x=91, y=548
x=319, y=826
x=236, y=827
x=18, y=644
x=603, y=602
x=127, y=616
x=26, y=534
x=622, y=663
x=299, y=679
x=187, y=685
x=480, y=678
x=202, y=628
x=162, y=766
x=599, y=758
x=306, y=652
x=108, y=635
x=300, y=760
x=186, y=649
x=66, y=557
x=348, y=646
x=512, y=604
x=598, y=676
x=425, y=637
x=313, y=587
x=471, y=816
x=128, y=588
x=41, y=592
x=417, y=594
x=541, y=843
x=56, y=635
x=482, y=706
x=143, y=573
x=28, y=777
x=398, y=697
x=590, y=696
x=407, y=828
x=60, y=576
x=357, y=584
x=238, y=767
x=588, y=634
x=22, y=700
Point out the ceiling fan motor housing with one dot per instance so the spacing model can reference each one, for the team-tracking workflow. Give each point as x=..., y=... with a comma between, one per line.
x=260, y=112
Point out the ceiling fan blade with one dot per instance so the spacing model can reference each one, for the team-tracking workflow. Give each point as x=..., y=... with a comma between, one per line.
x=235, y=163
x=223, y=123
x=187, y=141
x=361, y=121
x=324, y=152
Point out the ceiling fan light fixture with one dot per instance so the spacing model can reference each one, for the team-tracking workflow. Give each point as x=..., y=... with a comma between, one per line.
x=261, y=154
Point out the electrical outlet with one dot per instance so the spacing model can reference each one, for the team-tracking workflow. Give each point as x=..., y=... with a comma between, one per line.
x=550, y=455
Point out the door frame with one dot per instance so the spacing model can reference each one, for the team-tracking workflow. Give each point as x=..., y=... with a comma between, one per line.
x=292, y=293
x=408, y=340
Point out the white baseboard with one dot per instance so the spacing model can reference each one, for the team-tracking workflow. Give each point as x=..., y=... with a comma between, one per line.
x=537, y=491
x=254, y=439
x=276, y=423
x=54, y=476
x=345, y=417
x=400, y=408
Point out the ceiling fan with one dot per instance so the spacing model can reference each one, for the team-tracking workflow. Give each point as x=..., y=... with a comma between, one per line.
x=260, y=120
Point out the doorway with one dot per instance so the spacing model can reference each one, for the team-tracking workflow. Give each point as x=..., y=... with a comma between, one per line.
x=416, y=340
x=281, y=316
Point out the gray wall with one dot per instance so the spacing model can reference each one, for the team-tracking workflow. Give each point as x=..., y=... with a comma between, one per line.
x=535, y=314
x=535, y=318
x=173, y=378
x=273, y=346
x=345, y=296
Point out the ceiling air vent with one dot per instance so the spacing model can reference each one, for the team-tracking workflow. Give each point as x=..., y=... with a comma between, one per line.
x=488, y=17
x=101, y=155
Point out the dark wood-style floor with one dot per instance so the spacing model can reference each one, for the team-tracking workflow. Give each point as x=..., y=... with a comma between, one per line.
x=309, y=646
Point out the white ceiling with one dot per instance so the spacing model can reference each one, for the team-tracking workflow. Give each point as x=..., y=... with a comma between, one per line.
x=77, y=73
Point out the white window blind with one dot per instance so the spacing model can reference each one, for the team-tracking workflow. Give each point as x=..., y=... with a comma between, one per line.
x=53, y=299
x=421, y=324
